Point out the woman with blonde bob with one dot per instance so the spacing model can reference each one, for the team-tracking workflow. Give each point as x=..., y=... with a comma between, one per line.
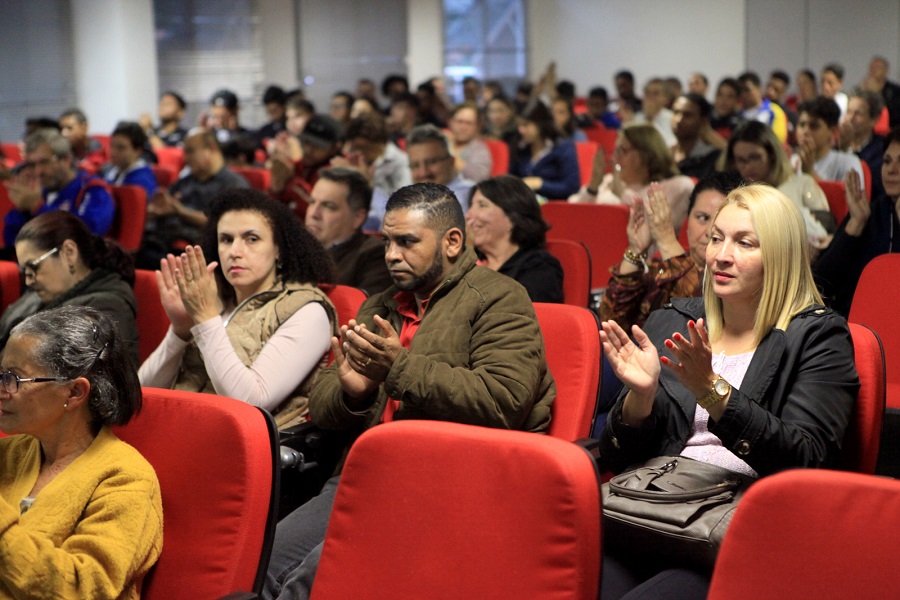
x=759, y=376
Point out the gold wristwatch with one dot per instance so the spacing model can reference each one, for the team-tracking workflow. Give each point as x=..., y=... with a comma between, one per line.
x=718, y=391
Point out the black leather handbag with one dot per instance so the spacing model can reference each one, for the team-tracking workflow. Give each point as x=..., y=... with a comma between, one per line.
x=671, y=507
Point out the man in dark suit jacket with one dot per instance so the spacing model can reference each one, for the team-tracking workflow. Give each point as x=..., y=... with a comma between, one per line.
x=337, y=210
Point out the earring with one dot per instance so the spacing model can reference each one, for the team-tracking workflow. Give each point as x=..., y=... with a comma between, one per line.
x=66, y=405
x=71, y=269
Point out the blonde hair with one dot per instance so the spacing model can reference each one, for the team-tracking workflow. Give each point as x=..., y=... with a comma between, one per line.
x=788, y=285
x=652, y=148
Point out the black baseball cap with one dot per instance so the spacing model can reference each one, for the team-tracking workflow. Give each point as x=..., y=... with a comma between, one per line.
x=322, y=131
x=224, y=98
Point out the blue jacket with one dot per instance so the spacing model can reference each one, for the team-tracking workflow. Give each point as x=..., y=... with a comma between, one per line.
x=142, y=176
x=87, y=196
x=558, y=168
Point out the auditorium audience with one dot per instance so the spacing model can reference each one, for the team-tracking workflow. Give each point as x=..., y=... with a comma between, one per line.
x=640, y=158
x=654, y=111
x=171, y=113
x=274, y=99
x=755, y=153
x=642, y=283
x=64, y=264
x=877, y=81
x=867, y=232
x=403, y=116
x=698, y=84
x=338, y=207
x=626, y=100
x=598, y=108
x=340, y=107
x=53, y=182
x=471, y=155
x=759, y=108
x=126, y=155
x=857, y=133
x=693, y=153
x=755, y=377
x=177, y=216
x=251, y=325
x=548, y=165
x=564, y=118
x=80, y=510
x=509, y=234
x=817, y=129
x=89, y=153
x=726, y=114
x=223, y=119
x=501, y=123
x=430, y=161
x=833, y=85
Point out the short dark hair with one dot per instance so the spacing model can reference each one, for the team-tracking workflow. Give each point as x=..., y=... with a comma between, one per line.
x=700, y=102
x=81, y=341
x=390, y=80
x=807, y=72
x=599, y=92
x=299, y=102
x=721, y=181
x=359, y=192
x=749, y=77
x=442, y=209
x=50, y=229
x=407, y=98
x=370, y=126
x=566, y=89
x=131, y=131
x=781, y=76
x=541, y=116
x=302, y=258
x=74, y=112
x=873, y=100
x=274, y=94
x=240, y=145
x=520, y=205
x=731, y=82
x=624, y=74
x=893, y=137
x=836, y=69
x=345, y=95
x=822, y=108
x=178, y=98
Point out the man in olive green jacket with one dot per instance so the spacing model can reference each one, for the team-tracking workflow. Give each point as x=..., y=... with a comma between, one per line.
x=450, y=341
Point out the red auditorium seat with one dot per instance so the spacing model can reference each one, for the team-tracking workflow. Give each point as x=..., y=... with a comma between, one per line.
x=499, y=156
x=10, y=284
x=600, y=227
x=171, y=157
x=837, y=199
x=152, y=320
x=165, y=176
x=862, y=440
x=218, y=466
x=257, y=177
x=575, y=259
x=811, y=533
x=572, y=345
x=430, y=509
x=131, y=213
x=586, y=152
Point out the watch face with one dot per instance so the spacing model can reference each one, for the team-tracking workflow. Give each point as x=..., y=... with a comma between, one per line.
x=722, y=387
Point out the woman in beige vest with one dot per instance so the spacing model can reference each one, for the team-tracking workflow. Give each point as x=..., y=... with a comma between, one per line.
x=253, y=325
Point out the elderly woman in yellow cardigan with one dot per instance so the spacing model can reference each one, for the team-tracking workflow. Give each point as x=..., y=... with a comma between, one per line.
x=80, y=510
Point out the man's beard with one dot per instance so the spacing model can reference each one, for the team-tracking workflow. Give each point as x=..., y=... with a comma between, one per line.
x=426, y=278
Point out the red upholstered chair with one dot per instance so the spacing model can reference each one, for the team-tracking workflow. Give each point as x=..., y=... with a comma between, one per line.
x=867, y=178
x=257, y=177
x=430, y=509
x=346, y=300
x=837, y=199
x=171, y=157
x=572, y=344
x=131, y=213
x=603, y=137
x=811, y=533
x=11, y=152
x=863, y=437
x=152, y=320
x=10, y=283
x=586, y=152
x=218, y=466
x=499, y=156
x=575, y=259
x=875, y=302
x=601, y=227
x=165, y=176
x=6, y=205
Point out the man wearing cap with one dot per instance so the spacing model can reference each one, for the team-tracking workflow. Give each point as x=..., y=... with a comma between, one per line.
x=177, y=216
x=223, y=115
x=320, y=140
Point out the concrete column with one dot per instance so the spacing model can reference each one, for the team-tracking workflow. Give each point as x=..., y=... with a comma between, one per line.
x=425, y=40
x=115, y=60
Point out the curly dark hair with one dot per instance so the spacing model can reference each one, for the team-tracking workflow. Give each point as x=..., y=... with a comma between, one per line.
x=520, y=204
x=302, y=258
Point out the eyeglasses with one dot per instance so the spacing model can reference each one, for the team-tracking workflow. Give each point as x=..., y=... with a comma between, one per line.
x=428, y=162
x=29, y=269
x=10, y=381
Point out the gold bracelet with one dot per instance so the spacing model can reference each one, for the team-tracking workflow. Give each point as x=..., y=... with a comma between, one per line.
x=638, y=260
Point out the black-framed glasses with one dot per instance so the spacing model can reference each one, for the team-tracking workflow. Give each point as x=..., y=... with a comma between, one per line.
x=29, y=269
x=10, y=381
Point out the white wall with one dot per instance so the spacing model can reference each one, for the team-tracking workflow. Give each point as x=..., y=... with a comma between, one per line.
x=115, y=60
x=278, y=32
x=425, y=40
x=592, y=39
